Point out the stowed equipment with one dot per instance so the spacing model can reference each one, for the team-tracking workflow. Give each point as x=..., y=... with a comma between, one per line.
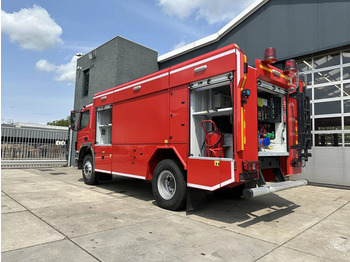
x=214, y=140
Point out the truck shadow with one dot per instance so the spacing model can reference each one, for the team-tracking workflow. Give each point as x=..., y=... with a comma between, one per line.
x=245, y=212
x=242, y=212
x=128, y=187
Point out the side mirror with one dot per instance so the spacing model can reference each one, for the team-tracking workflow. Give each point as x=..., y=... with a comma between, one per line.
x=72, y=119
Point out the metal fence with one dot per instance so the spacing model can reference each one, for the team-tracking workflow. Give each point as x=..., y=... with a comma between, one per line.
x=33, y=145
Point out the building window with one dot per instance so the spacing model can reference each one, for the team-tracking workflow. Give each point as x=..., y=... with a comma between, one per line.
x=346, y=90
x=328, y=86
x=347, y=139
x=329, y=123
x=347, y=123
x=346, y=56
x=346, y=106
x=327, y=76
x=86, y=81
x=326, y=60
x=322, y=92
x=327, y=108
x=305, y=65
x=346, y=73
x=328, y=140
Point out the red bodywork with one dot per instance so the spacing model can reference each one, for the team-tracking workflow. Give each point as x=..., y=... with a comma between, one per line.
x=151, y=122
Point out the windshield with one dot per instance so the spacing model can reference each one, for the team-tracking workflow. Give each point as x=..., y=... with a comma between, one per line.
x=84, y=120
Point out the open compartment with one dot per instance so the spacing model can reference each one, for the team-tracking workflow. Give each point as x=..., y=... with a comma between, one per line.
x=104, y=125
x=272, y=129
x=210, y=111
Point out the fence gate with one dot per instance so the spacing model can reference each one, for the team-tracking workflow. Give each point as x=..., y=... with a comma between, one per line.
x=24, y=145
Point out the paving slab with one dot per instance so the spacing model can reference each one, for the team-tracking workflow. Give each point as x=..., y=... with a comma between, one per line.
x=275, y=217
x=329, y=239
x=270, y=218
x=195, y=241
x=120, y=187
x=16, y=173
x=91, y=217
x=37, y=198
x=119, y=221
x=63, y=250
x=287, y=254
x=69, y=175
x=122, y=245
x=33, y=184
x=8, y=205
x=23, y=229
x=317, y=200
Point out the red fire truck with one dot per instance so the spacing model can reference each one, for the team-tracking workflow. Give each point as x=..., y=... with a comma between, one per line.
x=210, y=123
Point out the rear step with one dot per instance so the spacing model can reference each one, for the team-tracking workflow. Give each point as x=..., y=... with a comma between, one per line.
x=274, y=187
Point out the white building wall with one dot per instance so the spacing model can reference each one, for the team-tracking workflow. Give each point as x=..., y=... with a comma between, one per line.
x=328, y=166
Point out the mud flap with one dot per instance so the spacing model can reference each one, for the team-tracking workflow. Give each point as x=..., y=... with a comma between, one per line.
x=196, y=198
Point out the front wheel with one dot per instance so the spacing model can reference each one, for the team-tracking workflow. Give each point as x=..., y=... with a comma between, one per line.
x=169, y=185
x=89, y=174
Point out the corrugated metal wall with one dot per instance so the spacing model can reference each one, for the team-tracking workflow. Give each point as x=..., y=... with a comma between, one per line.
x=294, y=27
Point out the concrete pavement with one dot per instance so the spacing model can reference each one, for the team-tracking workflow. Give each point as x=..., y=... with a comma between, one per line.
x=49, y=214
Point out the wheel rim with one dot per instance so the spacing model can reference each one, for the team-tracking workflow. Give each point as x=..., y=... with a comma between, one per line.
x=166, y=184
x=88, y=169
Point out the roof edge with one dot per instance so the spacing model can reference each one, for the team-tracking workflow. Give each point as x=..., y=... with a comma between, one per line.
x=216, y=36
x=115, y=38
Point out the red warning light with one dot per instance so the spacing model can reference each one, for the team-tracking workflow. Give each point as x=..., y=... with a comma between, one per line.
x=291, y=66
x=270, y=56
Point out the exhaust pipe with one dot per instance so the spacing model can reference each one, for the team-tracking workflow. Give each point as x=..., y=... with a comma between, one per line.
x=267, y=189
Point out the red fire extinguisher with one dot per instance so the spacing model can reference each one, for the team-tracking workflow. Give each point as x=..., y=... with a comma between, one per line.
x=213, y=141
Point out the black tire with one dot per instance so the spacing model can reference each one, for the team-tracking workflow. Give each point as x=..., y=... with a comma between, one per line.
x=169, y=185
x=89, y=175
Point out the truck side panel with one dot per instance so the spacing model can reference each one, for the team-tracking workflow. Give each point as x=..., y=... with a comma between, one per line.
x=179, y=115
x=146, y=85
x=143, y=120
x=139, y=125
x=215, y=63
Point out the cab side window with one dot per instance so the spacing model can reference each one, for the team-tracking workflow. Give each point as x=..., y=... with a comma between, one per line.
x=84, y=120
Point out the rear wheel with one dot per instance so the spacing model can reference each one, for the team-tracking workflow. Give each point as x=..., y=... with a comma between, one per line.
x=88, y=170
x=169, y=185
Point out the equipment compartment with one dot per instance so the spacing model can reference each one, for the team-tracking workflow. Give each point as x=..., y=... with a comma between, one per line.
x=211, y=100
x=272, y=136
x=104, y=125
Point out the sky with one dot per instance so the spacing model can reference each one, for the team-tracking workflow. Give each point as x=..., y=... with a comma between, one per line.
x=40, y=38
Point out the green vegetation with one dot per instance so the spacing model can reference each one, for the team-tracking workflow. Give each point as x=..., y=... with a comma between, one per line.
x=61, y=122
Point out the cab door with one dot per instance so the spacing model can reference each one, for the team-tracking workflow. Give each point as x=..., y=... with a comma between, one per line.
x=84, y=130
